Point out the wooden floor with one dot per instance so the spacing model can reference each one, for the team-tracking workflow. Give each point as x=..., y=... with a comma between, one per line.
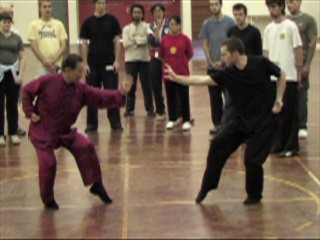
x=153, y=176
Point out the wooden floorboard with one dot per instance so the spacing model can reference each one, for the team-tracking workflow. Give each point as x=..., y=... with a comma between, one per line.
x=153, y=176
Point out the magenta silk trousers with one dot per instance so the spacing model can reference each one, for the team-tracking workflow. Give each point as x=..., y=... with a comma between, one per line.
x=86, y=158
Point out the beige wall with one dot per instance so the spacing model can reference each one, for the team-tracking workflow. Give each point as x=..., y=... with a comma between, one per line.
x=27, y=10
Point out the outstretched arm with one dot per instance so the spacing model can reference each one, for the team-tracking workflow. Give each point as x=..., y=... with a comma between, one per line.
x=98, y=98
x=188, y=80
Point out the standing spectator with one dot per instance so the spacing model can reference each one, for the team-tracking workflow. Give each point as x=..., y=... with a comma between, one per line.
x=137, y=59
x=249, y=34
x=48, y=39
x=100, y=48
x=9, y=9
x=12, y=66
x=176, y=50
x=308, y=33
x=213, y=33
x=283, y=45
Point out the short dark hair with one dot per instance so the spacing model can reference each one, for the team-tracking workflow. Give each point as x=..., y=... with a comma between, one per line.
x=71, y=61
x=137, y=5
x=176, y=18
x=239, y=6
x=159, y=5
x=280, y=3
x=5, y=16
x=234, y=44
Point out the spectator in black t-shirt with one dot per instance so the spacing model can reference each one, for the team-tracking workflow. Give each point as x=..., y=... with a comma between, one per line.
x=100, y=49
x=255, y=101
x=250, y=35
x=251, y=39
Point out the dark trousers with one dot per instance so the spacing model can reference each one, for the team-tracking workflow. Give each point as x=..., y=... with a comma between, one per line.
x=226, y=142
x=99, y=77
x=9, y=97
x=172, y=89
x=141, y=68
x=303, y=103
x=228, y=111
x=216, y=102
x=155, y=73
x=286, y=135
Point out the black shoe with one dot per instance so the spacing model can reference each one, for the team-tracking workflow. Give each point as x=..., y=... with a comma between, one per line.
x=201, y=196
x=98, y=189
x=287, y=154
x=128, y=114
x=151, y=114
x=251, y=201
x=90, y=129
x=52, y=205
x=117, y=128
x=21, y=132
x=214, y=130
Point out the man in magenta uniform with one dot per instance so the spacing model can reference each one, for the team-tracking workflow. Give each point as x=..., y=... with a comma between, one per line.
x=59, y=99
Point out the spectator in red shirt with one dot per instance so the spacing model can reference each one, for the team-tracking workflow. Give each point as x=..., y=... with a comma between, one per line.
x=176, y=51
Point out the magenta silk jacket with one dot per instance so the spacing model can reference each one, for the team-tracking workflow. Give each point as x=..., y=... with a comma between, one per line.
x=59, y=104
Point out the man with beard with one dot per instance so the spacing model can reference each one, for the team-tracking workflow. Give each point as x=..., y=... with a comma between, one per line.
x=137, y=59
x=247, y=79
x=100, y=49
x=308, y=32
x=213, y=33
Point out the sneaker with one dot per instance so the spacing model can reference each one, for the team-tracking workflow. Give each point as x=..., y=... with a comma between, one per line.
x=303, y=133
x=186, y=126
x=21, y=132
x=2, y=141
x=161, y=117
x=15, y=140
x=128, y=114
x=170, y=125
x=287, y=154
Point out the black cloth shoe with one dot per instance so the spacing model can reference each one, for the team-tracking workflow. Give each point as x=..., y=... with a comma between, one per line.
x=98, y=189
x=201, y=196
x=251, y=201
x=214, y=130
x=90, y=128
x=117, y=128
x=128, y=114
x=52, y=205
x=21, y=132
x=151, y=114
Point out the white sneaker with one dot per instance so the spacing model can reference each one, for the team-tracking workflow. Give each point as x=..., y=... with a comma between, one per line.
x=170, y=125
x=2, y=141
x=186, y=126
x=15, y=140
x=303, y=133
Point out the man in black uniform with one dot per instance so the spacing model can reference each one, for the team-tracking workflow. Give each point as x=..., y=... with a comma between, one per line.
x=247, y=80
x=100, y=49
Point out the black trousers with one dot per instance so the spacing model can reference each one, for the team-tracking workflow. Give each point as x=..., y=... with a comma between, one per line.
x=227, y=141
x=155, y=73
x=9, y=97
x=141, y=68
x=216, y=102
x=172, y=89
x=99, y=77
x=286, y=136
